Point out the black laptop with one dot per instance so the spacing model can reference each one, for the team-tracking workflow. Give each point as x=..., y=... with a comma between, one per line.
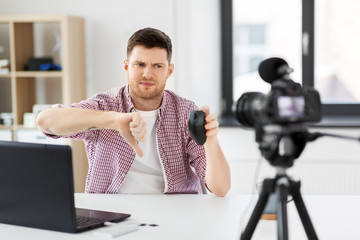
x=36, y=189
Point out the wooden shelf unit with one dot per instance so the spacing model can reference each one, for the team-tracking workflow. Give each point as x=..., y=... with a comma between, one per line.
x=24, y=92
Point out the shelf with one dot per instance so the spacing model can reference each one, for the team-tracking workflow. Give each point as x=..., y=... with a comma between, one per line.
x=33, y=18
x=38, y=74
x=27, y=36
x=33, y=74
x=19, y=127
x=6, y=127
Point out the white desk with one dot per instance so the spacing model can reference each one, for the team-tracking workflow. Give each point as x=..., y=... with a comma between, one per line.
x=206, y=217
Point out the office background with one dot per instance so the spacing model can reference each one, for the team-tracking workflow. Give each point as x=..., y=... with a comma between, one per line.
x=327, y=166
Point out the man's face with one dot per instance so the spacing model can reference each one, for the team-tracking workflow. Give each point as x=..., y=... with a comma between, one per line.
x=147, y=70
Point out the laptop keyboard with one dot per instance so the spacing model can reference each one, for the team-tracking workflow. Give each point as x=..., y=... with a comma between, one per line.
x=82, y=221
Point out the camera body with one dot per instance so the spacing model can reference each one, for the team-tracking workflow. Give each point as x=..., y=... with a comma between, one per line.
x=286, y=103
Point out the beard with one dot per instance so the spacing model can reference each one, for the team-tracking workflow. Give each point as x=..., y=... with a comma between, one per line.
x=142, y=91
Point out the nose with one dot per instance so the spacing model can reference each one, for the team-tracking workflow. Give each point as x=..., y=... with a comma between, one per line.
x=148, y=73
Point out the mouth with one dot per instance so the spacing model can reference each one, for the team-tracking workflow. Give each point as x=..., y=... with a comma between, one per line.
x=147, y=84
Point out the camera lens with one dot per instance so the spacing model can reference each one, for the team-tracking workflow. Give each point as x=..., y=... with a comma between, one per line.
x=245, y=109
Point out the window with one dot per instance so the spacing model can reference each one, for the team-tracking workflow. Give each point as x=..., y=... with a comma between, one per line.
x=249, y=47
x=316, y=37
x=336, y=69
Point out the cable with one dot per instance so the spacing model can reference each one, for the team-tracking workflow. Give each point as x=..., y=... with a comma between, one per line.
x=253, y=191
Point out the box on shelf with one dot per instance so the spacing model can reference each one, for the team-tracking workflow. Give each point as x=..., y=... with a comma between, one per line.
x=4, y=66
x=4, y=63
x=29, y=120
x=30, y=117
x=40, y=107
x=5, y=135
x=4, y=71
x=6, y=119
x=36, y=136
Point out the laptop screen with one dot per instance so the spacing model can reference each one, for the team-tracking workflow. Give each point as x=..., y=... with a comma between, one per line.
x=36, y=186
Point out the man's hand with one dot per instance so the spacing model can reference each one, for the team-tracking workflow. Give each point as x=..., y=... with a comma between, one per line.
x=132, y=128
x=65, y=121
x=217, y=173
x=211, y=126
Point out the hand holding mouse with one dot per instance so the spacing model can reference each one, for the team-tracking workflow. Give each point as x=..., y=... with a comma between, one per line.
x=196, y=124
x=203, y=125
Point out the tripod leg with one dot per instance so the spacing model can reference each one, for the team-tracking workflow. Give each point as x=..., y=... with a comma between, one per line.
x=304, y=215
x=282, y=191
x=258, y=210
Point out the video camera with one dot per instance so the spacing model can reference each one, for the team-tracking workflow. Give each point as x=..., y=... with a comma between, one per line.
x=286, y=103
x=278, y=119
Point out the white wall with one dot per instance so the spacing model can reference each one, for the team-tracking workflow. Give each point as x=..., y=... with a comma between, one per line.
x=192, y=25
x=327, y=166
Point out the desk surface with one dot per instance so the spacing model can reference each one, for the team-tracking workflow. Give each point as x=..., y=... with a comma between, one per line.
x=206, y=217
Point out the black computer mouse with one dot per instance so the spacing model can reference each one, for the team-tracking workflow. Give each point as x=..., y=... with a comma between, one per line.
x=196, y=124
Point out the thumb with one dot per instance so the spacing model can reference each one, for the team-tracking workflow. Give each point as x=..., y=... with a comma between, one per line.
x=205, y=109
x=137, y=148
x=135, y=120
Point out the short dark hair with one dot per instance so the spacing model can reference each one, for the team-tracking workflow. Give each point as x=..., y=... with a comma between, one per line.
x=150, y=38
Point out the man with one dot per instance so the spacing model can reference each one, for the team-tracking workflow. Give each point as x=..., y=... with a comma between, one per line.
x=136, y=136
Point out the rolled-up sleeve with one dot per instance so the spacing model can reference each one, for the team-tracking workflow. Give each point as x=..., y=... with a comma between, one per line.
x=94, y=103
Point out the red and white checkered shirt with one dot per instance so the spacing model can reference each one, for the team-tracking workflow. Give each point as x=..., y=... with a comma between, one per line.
x=110, y=156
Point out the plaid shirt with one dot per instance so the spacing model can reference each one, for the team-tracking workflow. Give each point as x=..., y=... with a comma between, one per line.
x=110, y=156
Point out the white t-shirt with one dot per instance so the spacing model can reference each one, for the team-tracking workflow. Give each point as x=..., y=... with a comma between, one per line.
x=145, y=174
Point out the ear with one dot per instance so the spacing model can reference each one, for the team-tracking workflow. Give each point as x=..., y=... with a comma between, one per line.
x=171, y=70
x=126, y=64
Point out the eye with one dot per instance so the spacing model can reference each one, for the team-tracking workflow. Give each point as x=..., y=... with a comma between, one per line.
x=158, y=66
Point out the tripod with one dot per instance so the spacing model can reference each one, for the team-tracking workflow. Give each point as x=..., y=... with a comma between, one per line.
x=281, y=146
x=282, y=186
